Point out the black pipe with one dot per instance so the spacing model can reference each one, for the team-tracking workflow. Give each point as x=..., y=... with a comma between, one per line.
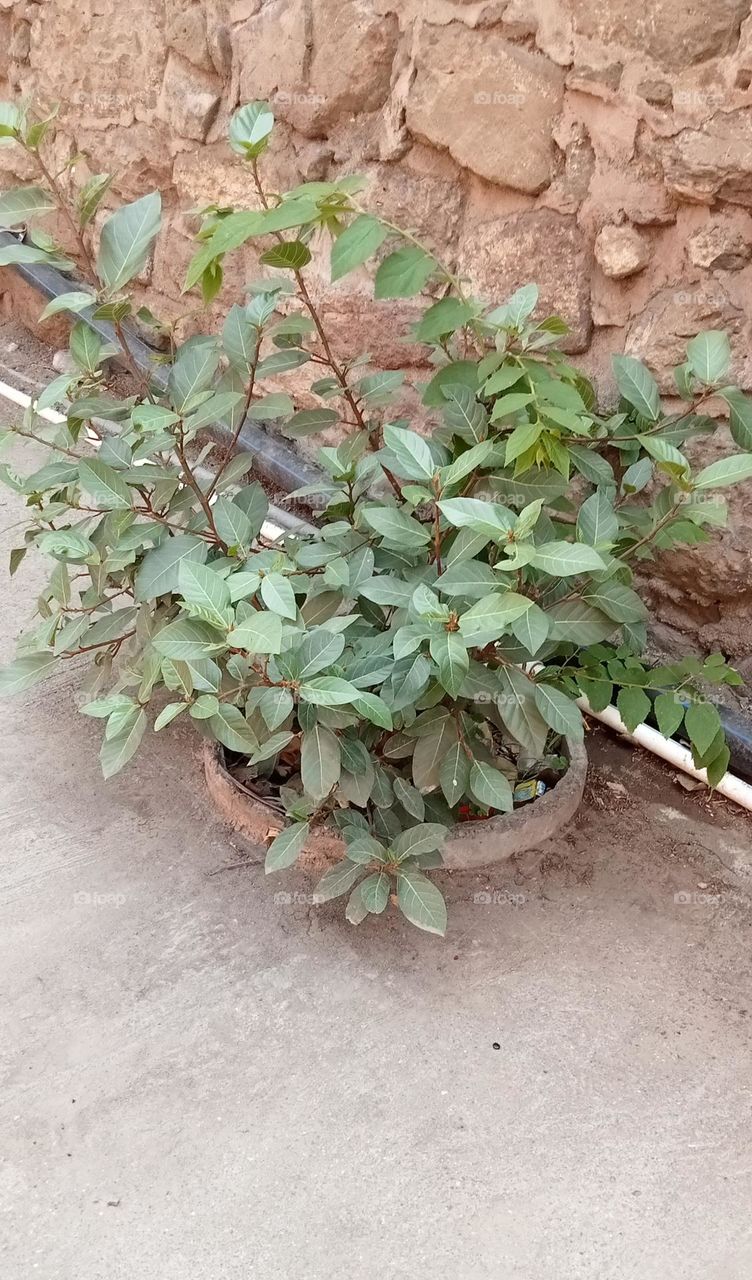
x=273, y=459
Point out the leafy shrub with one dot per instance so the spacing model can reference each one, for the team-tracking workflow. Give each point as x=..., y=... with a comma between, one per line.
x=425, y=650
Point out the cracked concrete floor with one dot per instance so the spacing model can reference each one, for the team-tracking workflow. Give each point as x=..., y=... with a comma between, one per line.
x=200, y=1080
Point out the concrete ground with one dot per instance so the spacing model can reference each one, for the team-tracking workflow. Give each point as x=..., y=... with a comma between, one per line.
x=205, y=1077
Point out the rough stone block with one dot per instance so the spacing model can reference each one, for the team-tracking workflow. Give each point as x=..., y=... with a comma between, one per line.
x=189, y=99
x=541, y=246
x=672, y=32
x=621, y=251
x=714, y=162
x=724, y=245
x=490, y=103
x=320, y=70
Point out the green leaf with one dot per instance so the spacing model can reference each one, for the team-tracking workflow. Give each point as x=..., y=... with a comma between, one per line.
x=153, y=417
x=425, y=838
x=284, y=850
x=14, y=254
x=638, y=386
x=271, y=747
x=454, y=775
x=616, y=600
x=270, y=408
x=275, y=706
x=26, y=671
x=466, y=416
x=310, y=421
x=168, y=714
x=709, y=356
x=21, y=204
x=443, y=317
x=259, y=633
x=117, y=751
x=531, y=629
x=239, y=339
x=717, y=767
x=74, y=301
x=412, y=454
x=488, y=518
x=127, y=239
x=232, y=524
x=356, y=244
x=559, y=711
x=669, y=713
x=374, y=892
x=490, y=788
x=320, y=761
x=291, y=255
x=633, y=706
x=396, y=527
x=105, y=487
x=740, y=416
x=387, y=591
x=730, y=470
x=430, y=751
x=193, y=370
x=328, y=691
x=90, y=197
x=373, y=708
x=450, y=655
x=278, y=595
x=11, y=120
x=160, y=568
x=203, y=587
x=486, y=620
x=318, y=650
x=565, y=559
x=410, y=798
x=337, y=880
x=597, y=523
x=188, y=638
x=231, y=728
x=213, y=410
x=518, y=709
x=702, y=723
x=510, y=404
x=421, y=902
x=87, y=349
x=467, y=462
x=357, y=910
x=578, y=623
x=404, y=273
x=67, y=544
x=377, y=388
x=250, y=129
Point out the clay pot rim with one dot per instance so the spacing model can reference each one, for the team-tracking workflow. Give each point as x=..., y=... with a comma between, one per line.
x=469, y=846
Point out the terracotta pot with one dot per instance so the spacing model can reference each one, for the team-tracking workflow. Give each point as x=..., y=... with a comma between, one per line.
x=469, y=846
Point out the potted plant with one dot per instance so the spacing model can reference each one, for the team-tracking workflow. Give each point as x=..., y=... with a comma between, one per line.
x=412, y=667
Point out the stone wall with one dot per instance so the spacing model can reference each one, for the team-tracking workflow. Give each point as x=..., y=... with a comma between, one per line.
x=600, y=147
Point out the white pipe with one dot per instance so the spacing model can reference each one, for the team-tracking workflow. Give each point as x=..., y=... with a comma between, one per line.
x=20, y=398
x=730, y=786
x=268, y=528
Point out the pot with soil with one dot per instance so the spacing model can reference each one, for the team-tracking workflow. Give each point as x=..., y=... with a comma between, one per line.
x=475, y=842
